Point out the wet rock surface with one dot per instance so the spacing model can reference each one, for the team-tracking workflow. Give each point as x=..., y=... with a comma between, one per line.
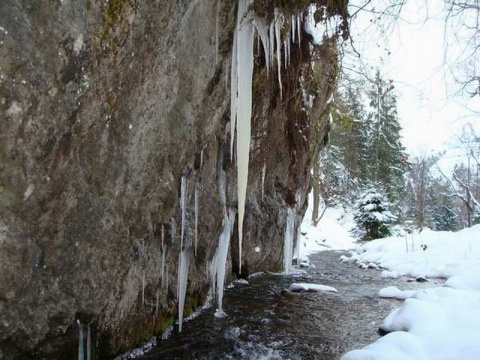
x=266, y=321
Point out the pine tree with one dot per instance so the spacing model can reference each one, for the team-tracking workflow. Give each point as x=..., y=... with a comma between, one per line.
x=373, y=214
x=386, y=155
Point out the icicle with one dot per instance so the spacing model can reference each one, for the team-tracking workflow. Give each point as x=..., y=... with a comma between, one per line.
x=196, y=219
x=271, y=36
x=227, y=64
x=243, y=106
x=165, y=283
x=278, y=25
x=285, y=56
x=162, y=248
x=288, y=50
x=297, y=243
x=222, y=188
x=81, y=354
x=262, y=29
x=221, y=259
x=233, y=90
x=299, y=28
x=173, y=230
x=264, y=171
x=288, y=242
x=183, y=263
x=201, y=159
x=183, y=200
x=89, y=344
x=143, y=287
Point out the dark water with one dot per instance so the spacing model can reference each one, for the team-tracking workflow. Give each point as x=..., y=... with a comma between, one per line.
x=265, y=322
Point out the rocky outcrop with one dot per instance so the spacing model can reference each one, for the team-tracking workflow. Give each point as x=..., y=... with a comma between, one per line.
x=104, y=106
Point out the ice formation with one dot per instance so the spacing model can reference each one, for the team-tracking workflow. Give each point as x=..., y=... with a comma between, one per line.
x=183, y=200
x=264, y=171
x=263, y=32
x=233, y=91
x=241, y=86
x=164, y=253
x=219, y=261
x=278, y=25
x=196, y=219
x=81, y=352
x=183, y=263
x=242, y=71
x=143, y=287
x=89, y=344
x=173, y=229
x=288, y=241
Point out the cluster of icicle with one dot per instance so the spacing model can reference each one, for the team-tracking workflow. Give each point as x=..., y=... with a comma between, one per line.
x=241, y=113
x=241, y=83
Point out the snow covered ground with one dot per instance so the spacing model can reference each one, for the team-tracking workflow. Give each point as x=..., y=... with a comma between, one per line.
x=441, y=323
x=331, y=233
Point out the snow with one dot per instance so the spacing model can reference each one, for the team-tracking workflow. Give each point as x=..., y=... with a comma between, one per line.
x=396, y=293
x=440, y=323
x=331, y=233
x=301, y=287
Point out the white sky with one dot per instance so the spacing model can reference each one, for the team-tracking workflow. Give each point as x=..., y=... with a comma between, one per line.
x=430, y=115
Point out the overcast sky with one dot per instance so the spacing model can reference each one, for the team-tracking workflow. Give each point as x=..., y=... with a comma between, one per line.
x=413, y=55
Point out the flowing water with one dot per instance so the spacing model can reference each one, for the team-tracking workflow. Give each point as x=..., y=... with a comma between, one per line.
x=266, y=322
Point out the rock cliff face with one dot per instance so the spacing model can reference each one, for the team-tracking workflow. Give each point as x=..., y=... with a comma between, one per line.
x=104, y=107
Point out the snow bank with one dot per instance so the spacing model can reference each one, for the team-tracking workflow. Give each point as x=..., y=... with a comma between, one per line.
x=447, y=254
x=441, y=323
x=300, y=287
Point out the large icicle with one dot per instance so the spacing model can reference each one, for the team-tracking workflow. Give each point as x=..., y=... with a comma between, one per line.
x=219, y=262
x=233, y=91
x=278, y=26
x=243, y=49
x=288, y=242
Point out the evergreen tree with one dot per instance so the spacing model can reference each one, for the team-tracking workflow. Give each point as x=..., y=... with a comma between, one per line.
x=386, y=155
x=373, y=215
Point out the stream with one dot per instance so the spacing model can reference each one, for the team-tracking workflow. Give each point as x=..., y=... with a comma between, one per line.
x=266, y=322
